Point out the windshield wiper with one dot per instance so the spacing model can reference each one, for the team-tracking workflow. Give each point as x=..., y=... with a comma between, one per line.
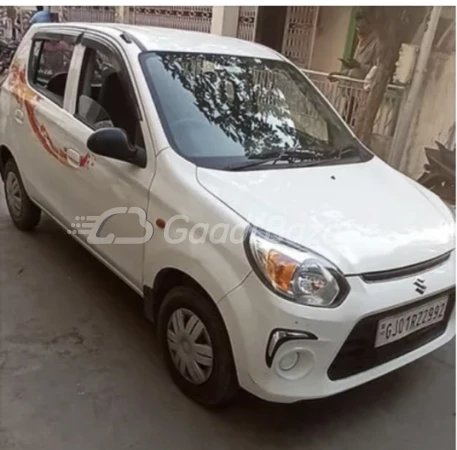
x=278, y=156
x=289, y=154
x=296, y=156
x=247, y=164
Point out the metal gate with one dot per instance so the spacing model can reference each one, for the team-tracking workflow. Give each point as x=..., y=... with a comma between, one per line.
x=247, y=22
x=6, y=26
x=299, y=31
x=87, y=13
x=299, y=34
x=192, y=18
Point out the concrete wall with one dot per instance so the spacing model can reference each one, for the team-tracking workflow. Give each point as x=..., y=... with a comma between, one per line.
x=333, y=26
x=436, y=112
x=225, y=20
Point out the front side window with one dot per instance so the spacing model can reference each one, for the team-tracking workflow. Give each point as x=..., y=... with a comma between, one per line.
x=103, y=98
x=50, y=62
x=225, y=111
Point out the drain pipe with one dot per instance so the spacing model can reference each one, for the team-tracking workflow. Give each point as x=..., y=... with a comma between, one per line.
x=406, y=117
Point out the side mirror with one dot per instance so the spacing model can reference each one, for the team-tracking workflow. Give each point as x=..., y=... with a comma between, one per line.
x=113, y=143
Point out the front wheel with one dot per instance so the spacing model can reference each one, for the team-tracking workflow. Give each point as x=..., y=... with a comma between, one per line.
x=196, y=347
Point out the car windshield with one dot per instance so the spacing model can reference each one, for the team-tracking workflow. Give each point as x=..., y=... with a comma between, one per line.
x=224, y=112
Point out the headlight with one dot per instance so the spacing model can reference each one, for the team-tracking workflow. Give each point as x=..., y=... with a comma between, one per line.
x=295, y=272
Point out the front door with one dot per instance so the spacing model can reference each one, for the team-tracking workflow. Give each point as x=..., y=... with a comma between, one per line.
x=110, y=195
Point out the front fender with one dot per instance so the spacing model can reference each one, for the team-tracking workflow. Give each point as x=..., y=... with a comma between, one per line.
x=216, y=273
x=179, y=201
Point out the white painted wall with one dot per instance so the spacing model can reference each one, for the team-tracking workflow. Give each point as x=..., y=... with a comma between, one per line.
x=436, y=112
x=333, y=26
x=225, y=20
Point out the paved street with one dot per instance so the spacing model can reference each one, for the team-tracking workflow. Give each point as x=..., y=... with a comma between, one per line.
x=80, y=370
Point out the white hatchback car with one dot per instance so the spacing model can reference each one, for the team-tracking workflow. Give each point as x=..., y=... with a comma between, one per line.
x=272, y=249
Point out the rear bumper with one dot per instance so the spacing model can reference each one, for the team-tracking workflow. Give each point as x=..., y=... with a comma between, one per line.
x=252, y=312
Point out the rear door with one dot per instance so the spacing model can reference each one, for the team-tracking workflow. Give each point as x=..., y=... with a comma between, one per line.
x=38, y=85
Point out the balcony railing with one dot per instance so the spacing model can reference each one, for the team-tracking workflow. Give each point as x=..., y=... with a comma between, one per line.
x=346, y=95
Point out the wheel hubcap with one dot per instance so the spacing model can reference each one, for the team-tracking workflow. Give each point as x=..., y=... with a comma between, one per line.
x=190, y=346
x=13, y=194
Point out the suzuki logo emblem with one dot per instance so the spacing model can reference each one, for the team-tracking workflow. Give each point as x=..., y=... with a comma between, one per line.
x=420, y=285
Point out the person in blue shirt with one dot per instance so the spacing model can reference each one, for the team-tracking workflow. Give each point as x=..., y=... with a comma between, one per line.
x=42, y=15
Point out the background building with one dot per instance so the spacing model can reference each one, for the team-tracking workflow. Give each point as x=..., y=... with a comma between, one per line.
x=314, y=38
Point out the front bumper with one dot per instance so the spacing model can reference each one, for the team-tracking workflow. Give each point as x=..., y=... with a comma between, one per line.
x=252, y=312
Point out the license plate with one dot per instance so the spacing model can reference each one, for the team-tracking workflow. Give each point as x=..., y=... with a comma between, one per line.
x=397, y=327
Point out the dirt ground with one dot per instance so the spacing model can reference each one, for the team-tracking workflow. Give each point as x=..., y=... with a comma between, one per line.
x=80, y=370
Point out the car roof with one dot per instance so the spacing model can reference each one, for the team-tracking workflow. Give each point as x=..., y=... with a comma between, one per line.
x=168, y=39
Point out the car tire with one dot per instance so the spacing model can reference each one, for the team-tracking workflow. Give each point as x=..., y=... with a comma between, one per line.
x=24, y=213
x=214, y=382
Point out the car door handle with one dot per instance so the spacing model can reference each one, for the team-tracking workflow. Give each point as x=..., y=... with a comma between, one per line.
x=19, y=116
x=73, y=158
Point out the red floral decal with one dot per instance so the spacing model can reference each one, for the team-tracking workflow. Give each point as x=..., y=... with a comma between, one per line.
x=28, y=100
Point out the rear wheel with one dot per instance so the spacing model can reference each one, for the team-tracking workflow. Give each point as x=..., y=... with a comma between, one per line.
x=196, y=347
x=24, y=213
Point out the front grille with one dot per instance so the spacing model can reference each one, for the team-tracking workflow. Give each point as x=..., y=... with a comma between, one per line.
x=359, y=354
x=407, y=271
